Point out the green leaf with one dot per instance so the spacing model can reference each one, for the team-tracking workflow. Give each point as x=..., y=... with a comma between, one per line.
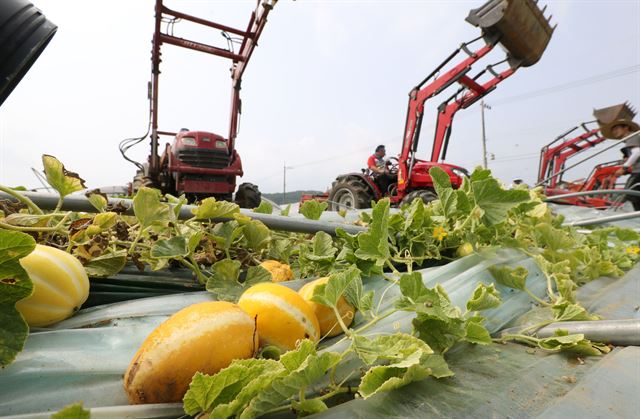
x=374, y=244
x=227, y=270
x=282, y=388
x=194, y=240
x=412, y=287
x=148, y=208
x=308, y=407
x=264, y=208
x=576, y=343
x=106, y=265
x=565, y=311
x=338, y=283
x=209, y=208
x=223, y=283
x=322, y=248
x=225, y=234
x=15, y=285
x=484, y=297
x=441, y=180
x=510, y=277
x=227, y=392
x=73, y=411
x=59, y=178
x=175, y=247
x=285, y=211
x=98, y=200
x=313, y=209
x=105, y=220
x=480, y=174
x=494, y=201
x=409, y=359
x=476, y=332
x=257, y=235
x=256, y=274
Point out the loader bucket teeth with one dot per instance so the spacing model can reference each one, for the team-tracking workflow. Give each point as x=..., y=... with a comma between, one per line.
x=519, y=25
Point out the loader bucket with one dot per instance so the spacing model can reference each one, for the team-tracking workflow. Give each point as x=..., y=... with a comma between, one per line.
x=519, y=25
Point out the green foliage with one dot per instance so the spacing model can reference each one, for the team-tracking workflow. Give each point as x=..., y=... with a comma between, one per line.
x=15, y=285
x=73, y=411
x=60, y=179
x=313, y=209
x=264, y=208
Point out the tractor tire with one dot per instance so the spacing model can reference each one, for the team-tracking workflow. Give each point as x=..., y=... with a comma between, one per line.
x=350, y=193
x=426, y=195
x=248, y=196
x=140, y=180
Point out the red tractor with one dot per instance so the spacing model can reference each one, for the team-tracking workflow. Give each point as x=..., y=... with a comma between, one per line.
x=553, y=159
x=198, y=163
x=521, y=28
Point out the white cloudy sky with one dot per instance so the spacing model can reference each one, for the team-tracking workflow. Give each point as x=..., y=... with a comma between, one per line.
x=328, y=83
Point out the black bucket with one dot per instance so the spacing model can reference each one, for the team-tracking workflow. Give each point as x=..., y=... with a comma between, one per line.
x=24, y=34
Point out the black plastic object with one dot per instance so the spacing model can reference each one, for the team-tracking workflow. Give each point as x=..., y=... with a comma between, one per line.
x=24, y=34
x=519, y=25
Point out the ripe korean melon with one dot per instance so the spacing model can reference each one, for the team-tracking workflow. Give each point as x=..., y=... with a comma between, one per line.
x=204, y=337
x=282, y=315
x=60, y=286
x=279, y=271
x=326, y=317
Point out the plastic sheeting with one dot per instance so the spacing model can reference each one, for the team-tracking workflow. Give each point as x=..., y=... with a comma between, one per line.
x=85, y=357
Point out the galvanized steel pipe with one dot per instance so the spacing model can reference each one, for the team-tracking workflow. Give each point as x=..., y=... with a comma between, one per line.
x=617, y=332
x=48, y=201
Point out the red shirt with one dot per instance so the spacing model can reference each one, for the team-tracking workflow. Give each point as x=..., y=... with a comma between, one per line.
x=375, y=161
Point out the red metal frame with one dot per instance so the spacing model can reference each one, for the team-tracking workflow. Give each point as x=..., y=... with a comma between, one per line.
x=239, y=60
x=471, y=91
x=553, y=158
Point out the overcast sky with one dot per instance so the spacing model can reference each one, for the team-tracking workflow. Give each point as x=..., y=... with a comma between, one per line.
x=328, y=83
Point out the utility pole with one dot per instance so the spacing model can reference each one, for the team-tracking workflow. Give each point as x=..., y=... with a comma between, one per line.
x=284, y=180
x=484, y=136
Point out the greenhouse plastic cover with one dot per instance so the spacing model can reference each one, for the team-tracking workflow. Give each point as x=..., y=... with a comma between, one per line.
x=84, y=358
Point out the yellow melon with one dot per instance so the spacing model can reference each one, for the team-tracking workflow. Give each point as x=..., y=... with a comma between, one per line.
x=279, y=271
x=204, y=337
x=60, y=286
x=326, y=317
x=282, y=315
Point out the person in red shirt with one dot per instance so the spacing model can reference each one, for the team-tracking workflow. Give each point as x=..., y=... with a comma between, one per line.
x=376, y=165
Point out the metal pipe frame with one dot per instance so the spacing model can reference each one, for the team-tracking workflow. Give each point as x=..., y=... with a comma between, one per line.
x=48, y=201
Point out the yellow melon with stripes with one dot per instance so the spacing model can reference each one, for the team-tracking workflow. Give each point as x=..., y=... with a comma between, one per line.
x=60, y=286
x=203, y=337
x=279, y=271
x=282, y=315
x=326, y=317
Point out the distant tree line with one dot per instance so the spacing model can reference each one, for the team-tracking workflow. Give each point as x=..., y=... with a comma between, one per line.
x=292, y=197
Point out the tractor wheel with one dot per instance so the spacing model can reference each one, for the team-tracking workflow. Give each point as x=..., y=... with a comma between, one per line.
x=426, y=195
x=140, y=180
x=248, y=196
x=350, y=194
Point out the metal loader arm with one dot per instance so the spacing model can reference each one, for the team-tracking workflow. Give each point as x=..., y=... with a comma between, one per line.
x=239, y=60
x=470, y=92
x=553, y=156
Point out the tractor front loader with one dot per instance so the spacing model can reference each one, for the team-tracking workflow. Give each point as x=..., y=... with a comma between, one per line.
x=524, y=32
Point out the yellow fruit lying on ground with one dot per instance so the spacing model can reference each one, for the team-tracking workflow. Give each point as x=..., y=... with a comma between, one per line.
x=326, y=317
x=279, y=271
x=283, y=316
x=60, y=286
x=464, y=249
x=203, y=337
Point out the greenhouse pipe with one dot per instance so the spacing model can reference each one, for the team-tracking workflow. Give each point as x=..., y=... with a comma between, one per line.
x=624, y=332
x=617, y=332
x=49, y=201
x=602, y=220
x=599, y=192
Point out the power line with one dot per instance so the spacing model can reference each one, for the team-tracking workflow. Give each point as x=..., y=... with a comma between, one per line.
x=570, y=85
